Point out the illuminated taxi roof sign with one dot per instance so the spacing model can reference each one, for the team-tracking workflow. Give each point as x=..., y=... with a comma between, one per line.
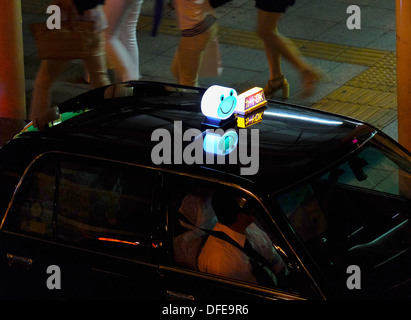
x=250, y=100
x=219, y=102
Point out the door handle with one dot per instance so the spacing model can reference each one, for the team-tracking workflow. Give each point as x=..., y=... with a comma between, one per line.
x=179, y=296
x=17, y=260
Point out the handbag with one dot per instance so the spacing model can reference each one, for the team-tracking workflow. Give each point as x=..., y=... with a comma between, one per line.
x=211, y=65
x=72, y=41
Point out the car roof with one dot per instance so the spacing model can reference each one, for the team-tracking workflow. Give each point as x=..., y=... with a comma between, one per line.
x=118, y=121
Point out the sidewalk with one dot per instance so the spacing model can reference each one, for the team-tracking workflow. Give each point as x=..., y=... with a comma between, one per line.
x=359, y=64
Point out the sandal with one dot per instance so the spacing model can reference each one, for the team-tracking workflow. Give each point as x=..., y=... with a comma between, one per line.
x=276, y=84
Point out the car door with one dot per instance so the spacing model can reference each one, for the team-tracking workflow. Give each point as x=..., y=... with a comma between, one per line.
x=192, y=197
x=80, y=227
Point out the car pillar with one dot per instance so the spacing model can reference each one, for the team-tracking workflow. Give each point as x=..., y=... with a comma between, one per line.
x=403, y=30
x=12, y=86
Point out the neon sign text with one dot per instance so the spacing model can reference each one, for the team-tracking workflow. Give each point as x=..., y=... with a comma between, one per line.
x=250, y=100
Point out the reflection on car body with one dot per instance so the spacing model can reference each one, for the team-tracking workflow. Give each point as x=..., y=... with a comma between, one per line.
x=85, y=195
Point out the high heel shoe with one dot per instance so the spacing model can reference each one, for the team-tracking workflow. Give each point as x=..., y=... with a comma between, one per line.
x=310, y=79
x=276, y=84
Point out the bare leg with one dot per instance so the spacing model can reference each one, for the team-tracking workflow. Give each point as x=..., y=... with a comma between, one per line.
x=48, y=72
x=277, y=46
x=96, y=63
x=188, y=57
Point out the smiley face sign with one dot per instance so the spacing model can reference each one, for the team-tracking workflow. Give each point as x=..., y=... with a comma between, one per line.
x=219, y=102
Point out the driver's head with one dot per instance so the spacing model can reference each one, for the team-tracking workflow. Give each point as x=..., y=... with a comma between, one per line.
x=230, y=206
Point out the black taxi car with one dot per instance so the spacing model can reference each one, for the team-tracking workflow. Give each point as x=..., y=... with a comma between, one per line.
x=92, y=206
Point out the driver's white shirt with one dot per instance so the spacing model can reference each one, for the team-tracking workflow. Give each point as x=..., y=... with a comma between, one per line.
x=221, y=258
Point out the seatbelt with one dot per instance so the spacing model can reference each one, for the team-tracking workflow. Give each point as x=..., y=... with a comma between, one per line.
x=248, y=249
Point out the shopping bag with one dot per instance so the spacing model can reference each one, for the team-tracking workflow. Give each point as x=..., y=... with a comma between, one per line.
x=72, y=41
x=211, y=65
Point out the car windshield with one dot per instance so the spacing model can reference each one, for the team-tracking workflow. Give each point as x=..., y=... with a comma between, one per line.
x=354, y=221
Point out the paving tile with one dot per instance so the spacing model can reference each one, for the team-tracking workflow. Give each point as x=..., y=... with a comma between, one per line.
x=307, y=28
x=322, y=10
x=246, y=58
x=387, y=42
x=243, y=19
x=377, y=17
x=340, y=34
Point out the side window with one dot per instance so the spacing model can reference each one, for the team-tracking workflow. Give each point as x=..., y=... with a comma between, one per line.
x=93, y=204
x=32, y=208
x=233, y=213
x=104, y=206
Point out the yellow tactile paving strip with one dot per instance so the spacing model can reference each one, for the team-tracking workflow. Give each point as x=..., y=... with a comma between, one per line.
x=369, y=97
